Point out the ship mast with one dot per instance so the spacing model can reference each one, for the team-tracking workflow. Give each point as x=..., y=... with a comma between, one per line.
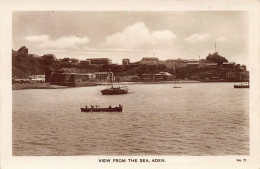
x=215, y=47
x=111, y=78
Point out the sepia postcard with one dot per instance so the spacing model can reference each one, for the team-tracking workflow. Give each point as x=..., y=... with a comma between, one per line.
x=133, y=84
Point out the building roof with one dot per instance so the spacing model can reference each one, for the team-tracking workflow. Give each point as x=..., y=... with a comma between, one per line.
x=165, y=73
x=193, y=63
x=100, y=72
x=211, y=64
x=98, y=59
x=150, y=58
x=228, y=63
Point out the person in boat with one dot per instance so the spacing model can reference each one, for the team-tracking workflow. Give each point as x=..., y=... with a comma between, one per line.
x=110, y=107
x=92, y=106
x=120, y=106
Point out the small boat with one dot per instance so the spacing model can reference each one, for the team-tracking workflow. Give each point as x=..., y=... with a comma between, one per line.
x=97, y=109
x=114, y=90
x=241, y=86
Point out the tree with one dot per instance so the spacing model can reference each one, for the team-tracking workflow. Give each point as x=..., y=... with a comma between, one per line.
x=243, y=67
x=216, y=58
x=161, y=67
x=66, y=59
x=48, y=60
x=74, y=60
x=48, y=57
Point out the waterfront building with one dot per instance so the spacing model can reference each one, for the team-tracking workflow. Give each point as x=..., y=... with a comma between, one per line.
x=125, y=61
x=147, y=77
x=231, y=75
x=167, y=76
x=158, y=77
x=130, y=78
x=99, y=61
x=101, y=76
x=37, y=78
x=72, y=79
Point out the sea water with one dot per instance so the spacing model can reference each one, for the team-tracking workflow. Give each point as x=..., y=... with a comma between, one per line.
x=197, y=119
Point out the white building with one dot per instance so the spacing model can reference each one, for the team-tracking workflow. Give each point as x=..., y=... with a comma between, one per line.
x=37, y=78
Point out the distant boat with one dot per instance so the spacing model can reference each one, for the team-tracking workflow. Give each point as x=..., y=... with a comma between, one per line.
x=97, y=109
x=242, y=85
x=113, y=90
x=176, y=86
x=175, y=79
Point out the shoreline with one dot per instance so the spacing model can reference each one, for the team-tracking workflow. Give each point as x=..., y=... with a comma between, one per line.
x=37, y=86
x=46, y=85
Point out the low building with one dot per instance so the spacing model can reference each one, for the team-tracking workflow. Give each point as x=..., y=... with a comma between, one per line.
x=158, y=77
x=72, y=79
x=230, y=65
x=130, y=78
x=167, y=76
x=192, y=65
x=37, y=78
x=147, y=77
x=20, y=80
x=100, y=61
x=161, y=62
x=85, y=63
x=101, y=76
x=125, y=61
x=149, y=61
x=231, y=75
x=176, y=63
x=211, y=65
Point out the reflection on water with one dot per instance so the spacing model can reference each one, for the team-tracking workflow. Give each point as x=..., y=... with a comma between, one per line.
x=197, y=119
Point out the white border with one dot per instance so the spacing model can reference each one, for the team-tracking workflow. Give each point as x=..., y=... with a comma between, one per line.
x=18, y=162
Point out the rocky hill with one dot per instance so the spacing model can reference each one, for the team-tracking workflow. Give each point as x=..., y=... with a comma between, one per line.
x=25, y=64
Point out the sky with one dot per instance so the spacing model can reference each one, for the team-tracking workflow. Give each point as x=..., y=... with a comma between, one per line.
x=133, y=34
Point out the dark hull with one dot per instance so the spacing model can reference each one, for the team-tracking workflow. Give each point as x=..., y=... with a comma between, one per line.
x=241, y=86
x=114, y=91
x=115, y=109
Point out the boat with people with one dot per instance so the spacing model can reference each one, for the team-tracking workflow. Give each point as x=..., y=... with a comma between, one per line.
x=98, y=109
x=113, y=90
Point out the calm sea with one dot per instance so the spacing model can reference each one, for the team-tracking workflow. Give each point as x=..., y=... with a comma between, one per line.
x=157, y=119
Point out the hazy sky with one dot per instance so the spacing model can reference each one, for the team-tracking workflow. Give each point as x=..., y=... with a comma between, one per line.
x=133, y=35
